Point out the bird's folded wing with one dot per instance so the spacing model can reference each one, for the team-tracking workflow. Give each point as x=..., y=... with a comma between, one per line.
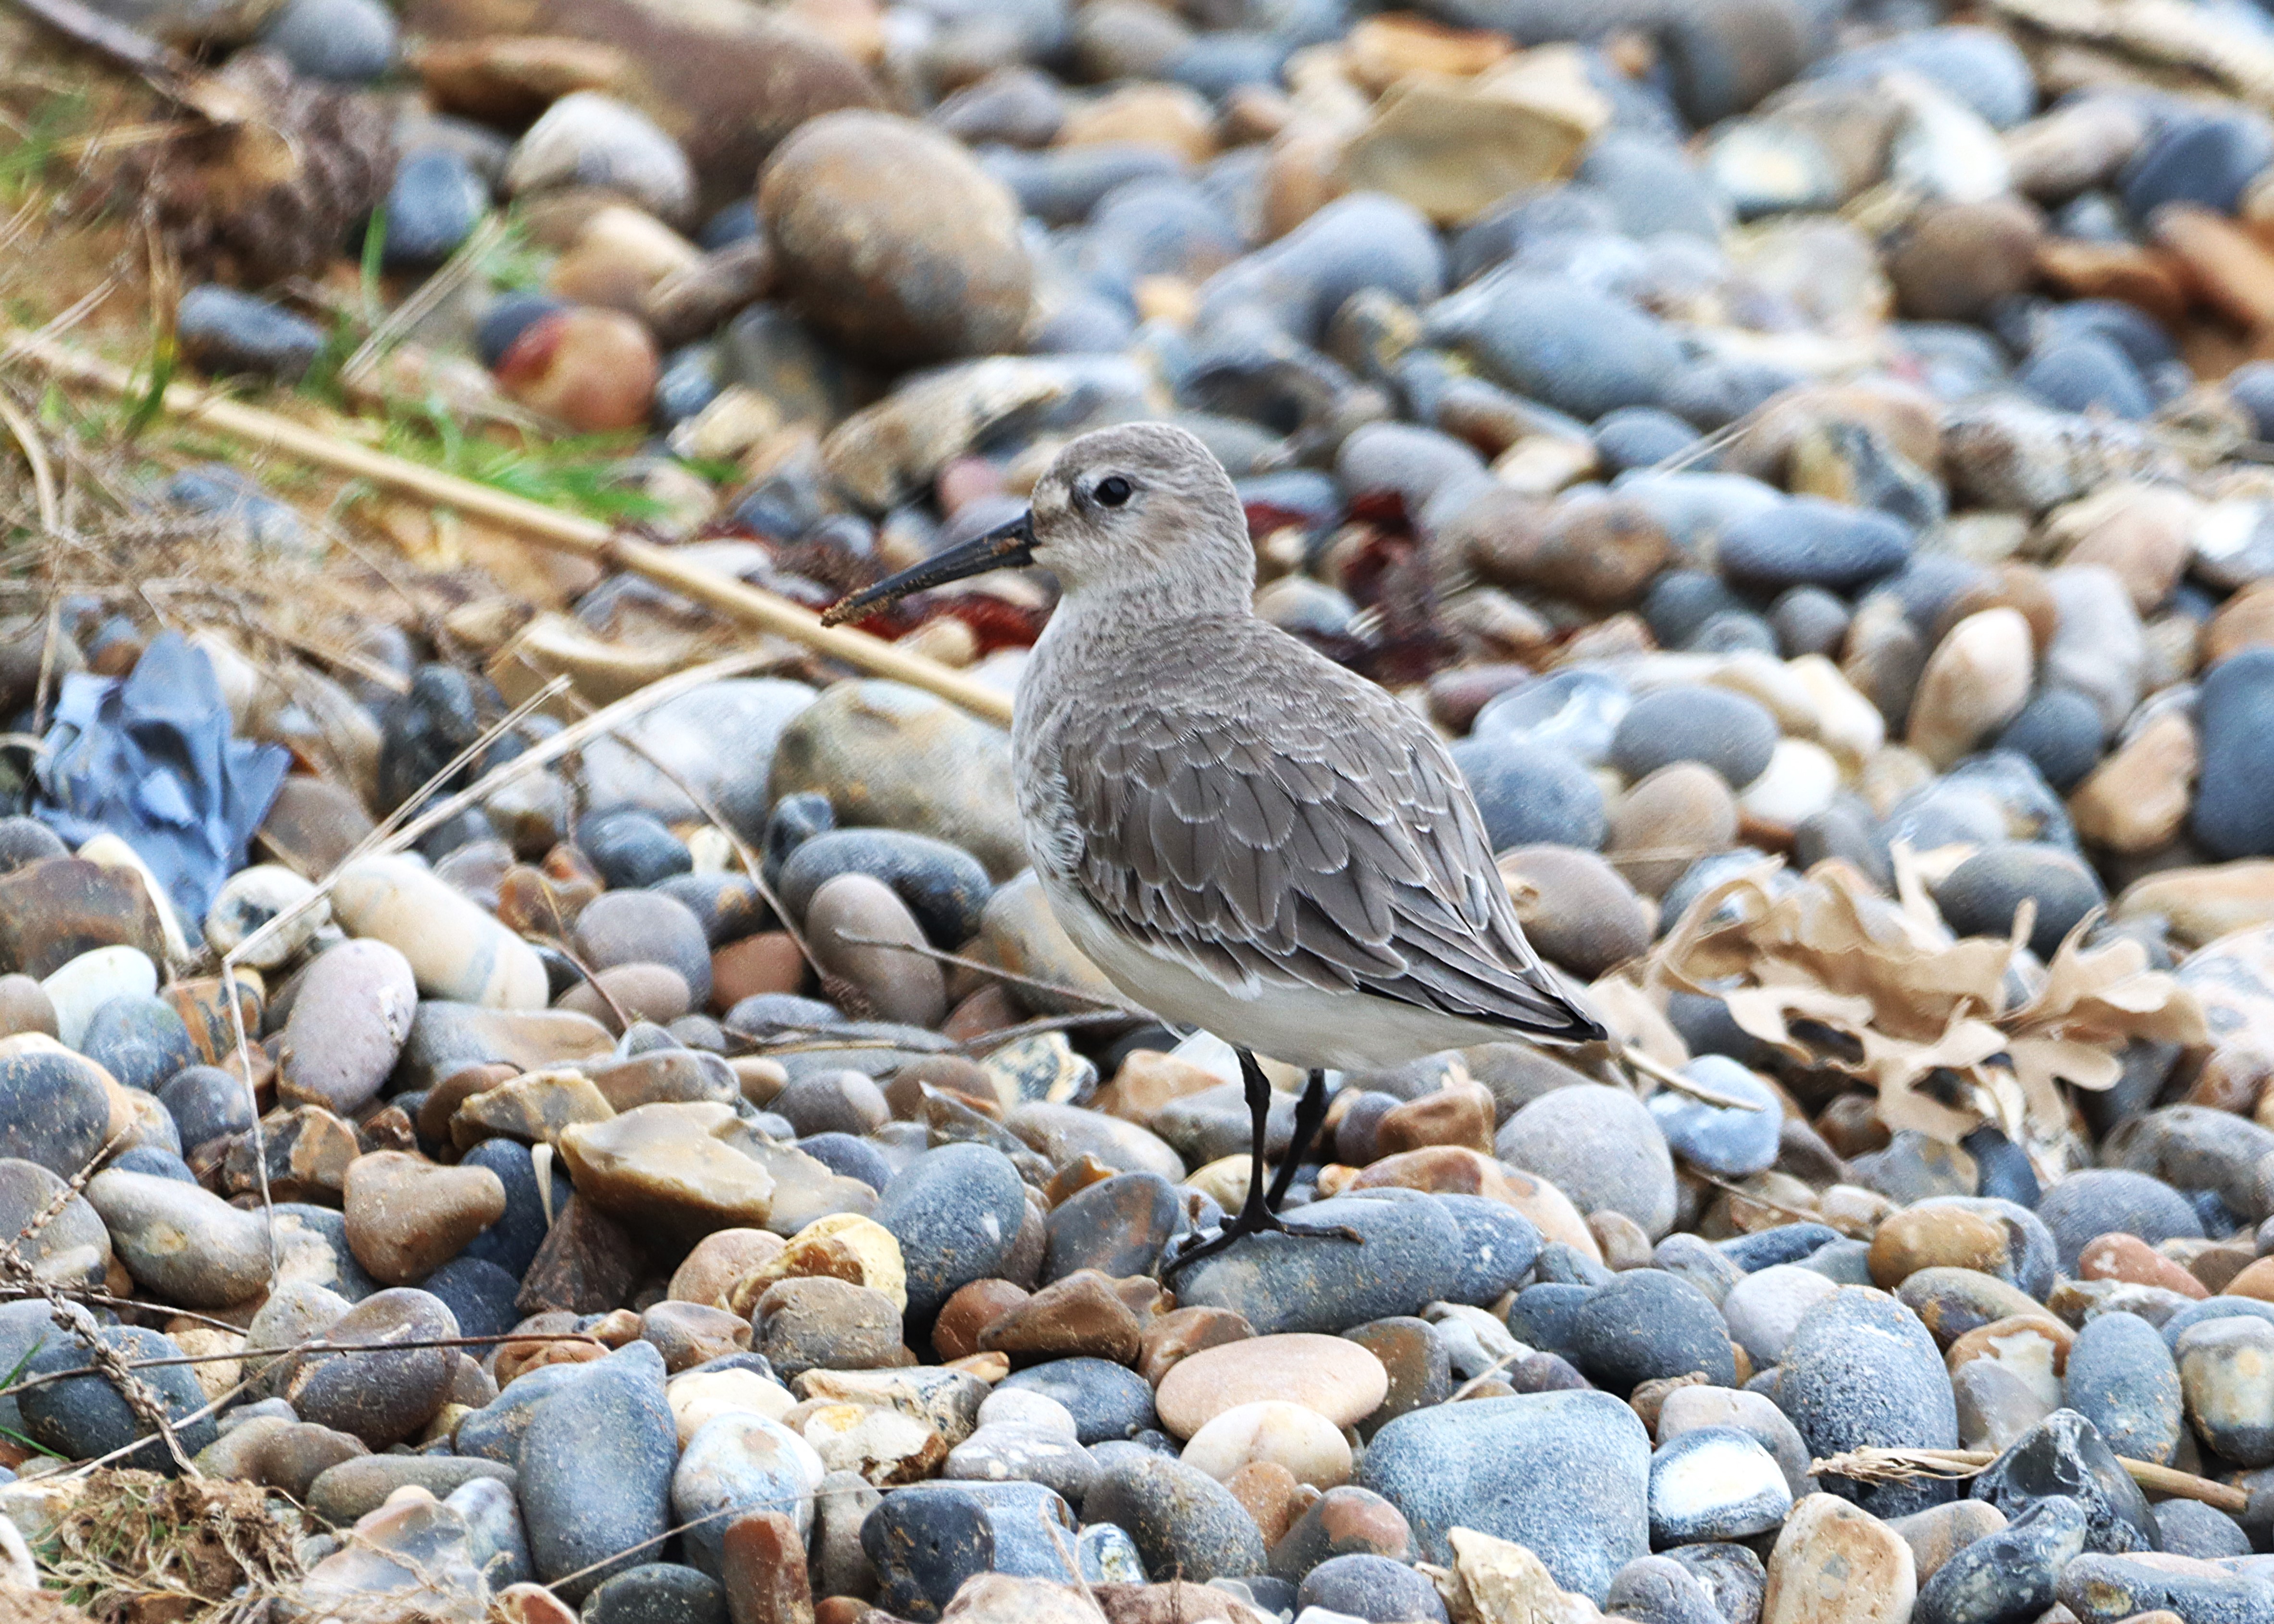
x=1279, y=842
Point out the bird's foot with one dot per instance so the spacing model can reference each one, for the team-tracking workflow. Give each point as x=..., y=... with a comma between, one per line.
x=1247, y=1223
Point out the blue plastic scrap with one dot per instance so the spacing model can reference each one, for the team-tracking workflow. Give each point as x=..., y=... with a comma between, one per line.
x=149, y=758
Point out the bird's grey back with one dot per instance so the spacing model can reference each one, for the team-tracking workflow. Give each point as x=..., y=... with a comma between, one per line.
x=1222, y=793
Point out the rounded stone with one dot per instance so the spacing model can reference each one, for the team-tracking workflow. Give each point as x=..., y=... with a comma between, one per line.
x=380, y=1397
x=944, y=886
x=2096, y=1201
x=1334, y=1376
x=1981, y=896
x=1734, y=735
x=1808, y=541
x=74, y=1247
x=140, y=1042
x=1645, y=1325
x=595, y=1470
x=2121, y=1376
x=1599, y=1146
x=350, y=1020
x=851, y=926
x=180, y=1241
x=1531, y=796
x=55, y=1109
x=892, y=241
x=956, y=1212
x=645, y=927
x=82, y=1417
x=1860, y=1372
x=1725, y=1140
x=1575, y=908
x=1481, y=1463
x=1292, y=1436
x=406, y=1216
x=1182, y=1520
x=1715, y=1483
x=1109, y=1403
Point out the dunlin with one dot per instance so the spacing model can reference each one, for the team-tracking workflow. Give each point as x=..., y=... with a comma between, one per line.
x=1241, y=834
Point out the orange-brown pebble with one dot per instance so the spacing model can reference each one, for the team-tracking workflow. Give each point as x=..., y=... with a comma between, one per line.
x=719, y=1260
x=971, y=1310
x=2131, y=1259
x=2255, y=1282
x=2001, y=1338
x=1459, y=1114
x=1268, y=1492
x=1185, y=1331
x=1080, y=1316
x=1936, y=1237
x=595, y=370
x=766, y=962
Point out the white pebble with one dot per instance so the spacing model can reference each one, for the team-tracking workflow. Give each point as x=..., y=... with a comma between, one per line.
x=1302, y=1441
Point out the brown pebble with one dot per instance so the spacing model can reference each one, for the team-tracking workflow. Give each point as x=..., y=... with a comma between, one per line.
x=719, y=1260
x=1267, y=1491
x=1149, y=1080
x=644, y=992
x=25, y=1006
x=1936, y=1237
x=1460, y=1113
x=1625, y=1244
x=762, y=1564
x=2127, y=1258
x=2000, y=1336
x=766, y=962
x=687, y=1334
x=406, y=1216
x=2255, y=1282
x=969, y=1310
x=1078, y=1316
x=1648, y=1399
x=1185, y=1331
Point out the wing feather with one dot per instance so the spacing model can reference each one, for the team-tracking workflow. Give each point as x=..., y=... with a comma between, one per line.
x=1272, y=819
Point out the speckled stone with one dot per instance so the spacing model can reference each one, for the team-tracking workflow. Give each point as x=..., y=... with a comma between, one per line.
x=1566, y=1474
x=1183, y=1521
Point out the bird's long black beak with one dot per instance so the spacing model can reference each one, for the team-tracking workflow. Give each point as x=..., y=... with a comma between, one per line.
x=1006, y=546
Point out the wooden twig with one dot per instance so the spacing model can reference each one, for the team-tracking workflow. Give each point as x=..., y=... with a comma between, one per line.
x=1898, y=1465
x=567, y=532
x=35, y=452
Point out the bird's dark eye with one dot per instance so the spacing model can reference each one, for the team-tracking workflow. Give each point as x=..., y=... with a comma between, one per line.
x=1112, y=490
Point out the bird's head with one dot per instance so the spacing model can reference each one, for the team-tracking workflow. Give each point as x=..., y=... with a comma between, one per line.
x=1142, y=509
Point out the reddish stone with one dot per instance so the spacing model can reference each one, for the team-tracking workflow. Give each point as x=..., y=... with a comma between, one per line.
x=764, y=1568
x=2127, y=1258
x=766, y=962
x=58, y=909
x=1080, y=1316
x=969, y=1312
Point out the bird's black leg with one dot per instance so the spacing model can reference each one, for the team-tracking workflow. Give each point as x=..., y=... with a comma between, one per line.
x=1257, y=1213
x=1310, y=1111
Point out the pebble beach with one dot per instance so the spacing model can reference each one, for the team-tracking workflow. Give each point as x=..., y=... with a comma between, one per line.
x=1813, y=463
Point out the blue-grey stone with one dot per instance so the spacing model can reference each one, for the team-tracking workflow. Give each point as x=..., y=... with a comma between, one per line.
x=2008, y=1576
x=956, y=1213
x=1555, y=340
x=1727, y=732
x=2096, y=1201
x=1110, y=1402
x=944, y=886
x=1497, y=1247
x=511, y=1243
x=596, y=1468
x=2121, y=1377
x=1808, y=541
x=1645, y=1325
x=348, y=41
x=657, y=1593
x=225, y=330
x=1727, y=1140
x=1565, y=1474
x=926, y=1539
x=1289, y=1282
x=1530, y=795
x=1181, y=1520
x=82, y=1417
x=142, y=1041
x=2234, y=717
x=1861, y=1372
